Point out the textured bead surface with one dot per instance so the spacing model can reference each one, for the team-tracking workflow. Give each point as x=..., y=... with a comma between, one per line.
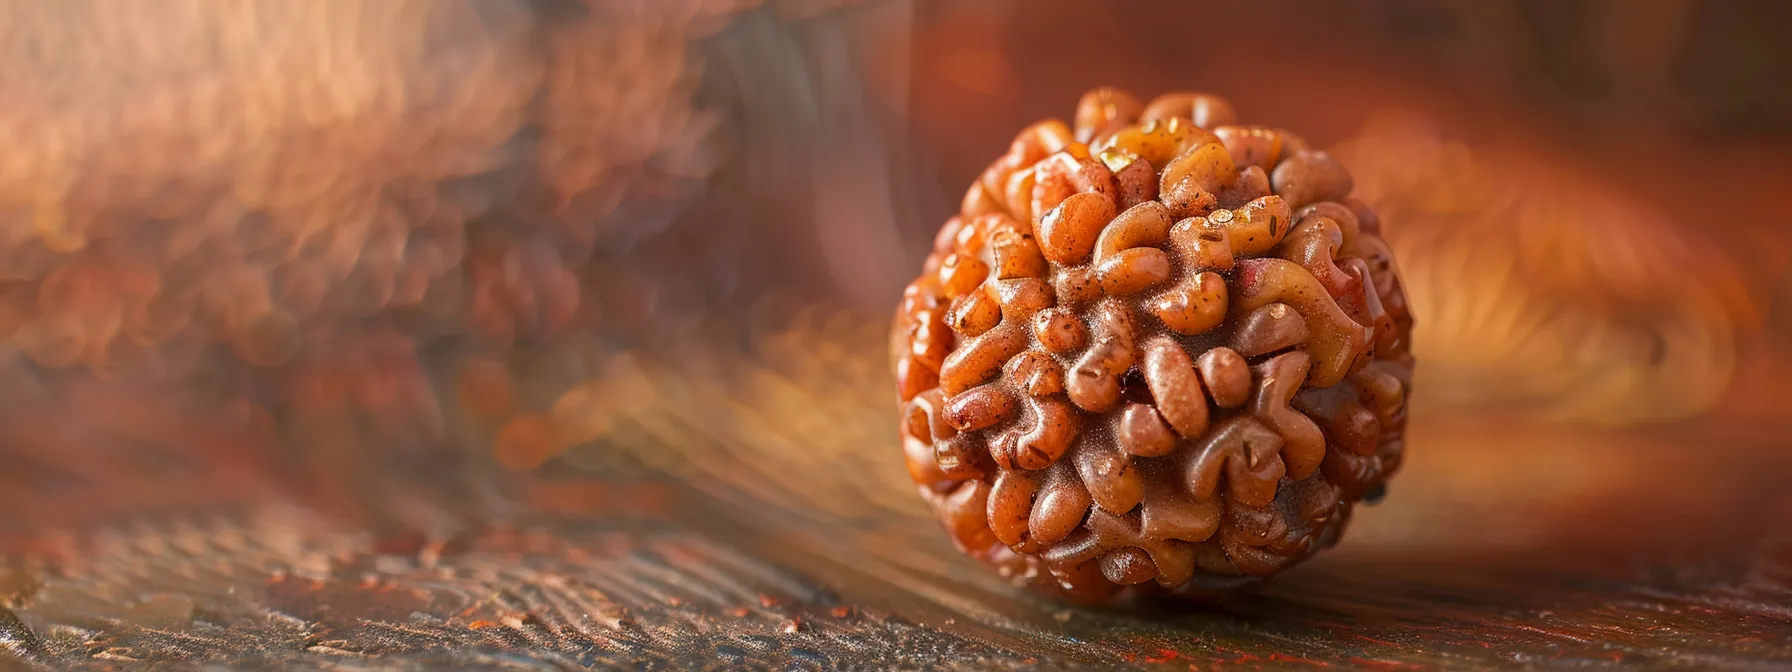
x=1154, y=350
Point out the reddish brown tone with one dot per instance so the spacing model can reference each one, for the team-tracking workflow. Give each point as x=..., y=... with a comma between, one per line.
x=1158, y=349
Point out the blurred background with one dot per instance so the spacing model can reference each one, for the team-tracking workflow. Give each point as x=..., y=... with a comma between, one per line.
x=370, y=290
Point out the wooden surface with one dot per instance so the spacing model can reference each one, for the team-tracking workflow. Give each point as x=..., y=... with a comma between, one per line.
x=750, y=511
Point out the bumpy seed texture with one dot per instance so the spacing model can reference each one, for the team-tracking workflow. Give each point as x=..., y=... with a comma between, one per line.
x=1158, y=351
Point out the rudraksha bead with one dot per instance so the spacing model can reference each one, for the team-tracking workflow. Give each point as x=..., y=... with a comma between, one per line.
x=1156, y=349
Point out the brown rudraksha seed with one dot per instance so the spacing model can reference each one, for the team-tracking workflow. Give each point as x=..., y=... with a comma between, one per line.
x=1159, y=349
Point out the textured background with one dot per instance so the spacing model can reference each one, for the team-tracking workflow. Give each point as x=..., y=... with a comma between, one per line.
x=369, y=335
